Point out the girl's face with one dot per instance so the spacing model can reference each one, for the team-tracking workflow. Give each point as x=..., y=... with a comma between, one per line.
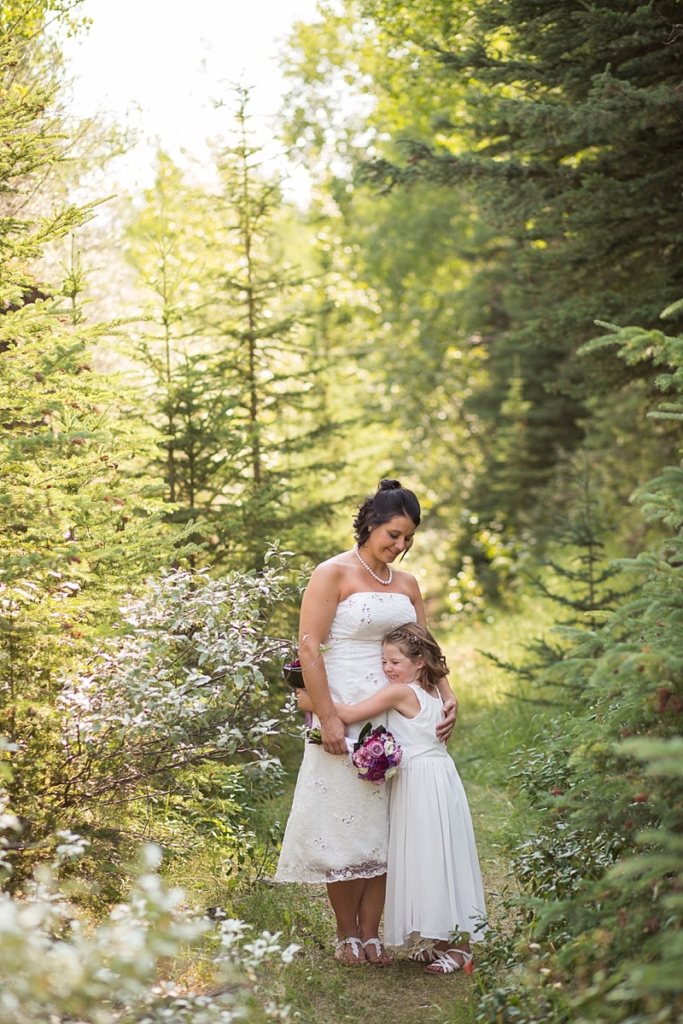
x=398, y=667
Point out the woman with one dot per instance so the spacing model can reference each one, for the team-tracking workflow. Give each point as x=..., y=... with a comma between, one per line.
x=337, y=830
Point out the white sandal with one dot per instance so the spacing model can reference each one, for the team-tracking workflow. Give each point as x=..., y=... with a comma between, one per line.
x=424, y=955
x=379, y=949
x=356, y=947
x=447, y=964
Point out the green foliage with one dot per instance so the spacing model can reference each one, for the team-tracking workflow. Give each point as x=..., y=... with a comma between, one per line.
x=506, y=142
x=602, y=869
x=181, y=685
x=80, y=525
x=235, y=405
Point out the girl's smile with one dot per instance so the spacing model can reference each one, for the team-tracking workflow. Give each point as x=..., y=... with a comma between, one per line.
x=398, y=667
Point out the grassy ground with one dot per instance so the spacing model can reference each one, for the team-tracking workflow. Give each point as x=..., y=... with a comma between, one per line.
x=490, y=726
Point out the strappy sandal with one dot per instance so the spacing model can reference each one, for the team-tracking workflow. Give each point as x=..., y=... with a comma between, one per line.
x=379, y=949
x=424, y=955
x=447, y=964
x=356, y=948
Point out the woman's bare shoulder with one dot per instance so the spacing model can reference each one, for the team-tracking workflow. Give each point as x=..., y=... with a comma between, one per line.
x=331, y=572
x=407, y=582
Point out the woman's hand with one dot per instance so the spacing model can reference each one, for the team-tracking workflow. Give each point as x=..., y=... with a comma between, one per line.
x=445, y=727
x=333, y=733
x=303, y=699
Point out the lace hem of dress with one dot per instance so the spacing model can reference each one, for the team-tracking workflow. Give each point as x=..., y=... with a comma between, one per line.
x=370, y=869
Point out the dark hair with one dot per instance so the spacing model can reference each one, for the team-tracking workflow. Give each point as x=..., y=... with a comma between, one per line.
x=389, y=501
x=415, y=641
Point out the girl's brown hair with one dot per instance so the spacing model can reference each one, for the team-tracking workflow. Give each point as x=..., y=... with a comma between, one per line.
x=415, y=641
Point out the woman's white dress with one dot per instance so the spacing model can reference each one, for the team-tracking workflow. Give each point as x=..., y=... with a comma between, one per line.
x=338, y=825
x=433, y=879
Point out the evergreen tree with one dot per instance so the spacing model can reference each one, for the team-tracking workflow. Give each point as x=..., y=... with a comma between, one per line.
x=550, y=136
x=187, y=403
x=236, y=370
x=79, y=525
x=533, y=117
x=603, y=862
x=258, y=322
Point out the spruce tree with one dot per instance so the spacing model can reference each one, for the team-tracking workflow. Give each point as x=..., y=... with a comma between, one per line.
x=566, y=135
x=258, y=320
x=602, y=859
x=79, y=526
x=184, y=397
x=233, y=356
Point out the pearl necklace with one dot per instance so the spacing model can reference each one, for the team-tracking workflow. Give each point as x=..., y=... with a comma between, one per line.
x=385, y=583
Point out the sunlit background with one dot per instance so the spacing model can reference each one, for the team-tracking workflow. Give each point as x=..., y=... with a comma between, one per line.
x=159, y=66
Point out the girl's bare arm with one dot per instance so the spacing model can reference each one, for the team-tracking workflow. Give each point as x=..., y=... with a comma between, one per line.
x=395, y=695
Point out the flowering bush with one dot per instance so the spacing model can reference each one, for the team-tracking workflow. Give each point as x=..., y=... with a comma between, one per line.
x=181, y=686
x=53, y=968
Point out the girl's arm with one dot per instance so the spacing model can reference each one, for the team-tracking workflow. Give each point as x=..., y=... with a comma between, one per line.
x=396, y=695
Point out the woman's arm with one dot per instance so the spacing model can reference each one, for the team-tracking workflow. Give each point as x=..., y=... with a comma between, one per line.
x=450, y=701
x=396, y=695
x=318, y=609
x=450, y=710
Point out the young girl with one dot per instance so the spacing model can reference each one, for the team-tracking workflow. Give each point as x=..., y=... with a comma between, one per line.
x=433, y=880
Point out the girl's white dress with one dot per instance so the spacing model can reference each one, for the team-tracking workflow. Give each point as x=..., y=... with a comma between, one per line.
x=338, y=825
x=433, y=881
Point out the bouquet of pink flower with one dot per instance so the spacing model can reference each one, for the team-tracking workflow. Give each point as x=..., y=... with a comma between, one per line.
x=376, y=754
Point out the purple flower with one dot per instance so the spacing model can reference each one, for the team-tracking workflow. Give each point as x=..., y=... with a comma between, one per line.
x=376, y=755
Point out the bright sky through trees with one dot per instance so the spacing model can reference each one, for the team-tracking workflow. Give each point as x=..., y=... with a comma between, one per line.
x=164, y=62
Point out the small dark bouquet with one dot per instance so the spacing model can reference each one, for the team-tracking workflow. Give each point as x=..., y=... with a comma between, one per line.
x=294, y=677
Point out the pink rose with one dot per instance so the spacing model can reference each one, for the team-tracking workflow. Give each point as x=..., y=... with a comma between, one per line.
x=375, y=748
x=361, y=758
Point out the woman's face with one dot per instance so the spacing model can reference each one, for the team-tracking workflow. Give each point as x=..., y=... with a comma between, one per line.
x=388, y=541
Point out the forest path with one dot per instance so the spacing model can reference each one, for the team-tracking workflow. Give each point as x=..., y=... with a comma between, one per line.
x=321, y=991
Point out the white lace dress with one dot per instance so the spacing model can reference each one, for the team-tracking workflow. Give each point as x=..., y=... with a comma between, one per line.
x=338, y=825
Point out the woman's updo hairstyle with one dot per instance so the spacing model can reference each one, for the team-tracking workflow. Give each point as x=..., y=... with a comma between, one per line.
x=389, y=501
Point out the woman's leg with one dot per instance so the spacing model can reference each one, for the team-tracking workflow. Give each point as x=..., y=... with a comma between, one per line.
x=369, y=915
x=345, y=898
x=371, y=906
x=358, y=906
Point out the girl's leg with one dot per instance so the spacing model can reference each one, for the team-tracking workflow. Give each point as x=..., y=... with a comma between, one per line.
x=456, y=955
x=345, y=898
x=444, y=947
x=369, y=916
